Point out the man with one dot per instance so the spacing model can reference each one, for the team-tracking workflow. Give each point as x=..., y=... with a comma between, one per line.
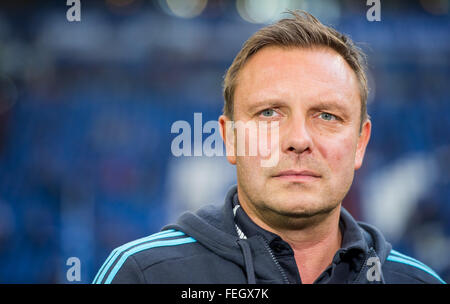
x=282, y=223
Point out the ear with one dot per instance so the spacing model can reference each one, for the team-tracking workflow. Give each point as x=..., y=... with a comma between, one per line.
x=228, y=137
x=363, y=140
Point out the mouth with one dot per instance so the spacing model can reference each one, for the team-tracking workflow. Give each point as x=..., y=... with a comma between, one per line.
x=300, y=176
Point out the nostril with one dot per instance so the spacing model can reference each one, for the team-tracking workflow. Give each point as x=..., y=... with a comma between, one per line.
x=298, y=150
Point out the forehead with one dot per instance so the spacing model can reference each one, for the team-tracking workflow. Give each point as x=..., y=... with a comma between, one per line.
x=306, y=74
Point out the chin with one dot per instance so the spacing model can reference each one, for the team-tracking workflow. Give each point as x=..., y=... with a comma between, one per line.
x=303, y=208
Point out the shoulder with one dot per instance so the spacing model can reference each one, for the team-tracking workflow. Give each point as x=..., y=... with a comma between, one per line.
x=126, y=263
x=402, y=269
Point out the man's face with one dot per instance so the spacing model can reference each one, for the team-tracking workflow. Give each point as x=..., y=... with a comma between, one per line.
x=313, y=95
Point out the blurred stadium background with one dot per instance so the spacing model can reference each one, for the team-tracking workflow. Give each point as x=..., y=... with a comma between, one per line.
x=86, y=110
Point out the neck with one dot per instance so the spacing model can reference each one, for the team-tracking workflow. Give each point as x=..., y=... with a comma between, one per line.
x=314, y=247
x=314, y=240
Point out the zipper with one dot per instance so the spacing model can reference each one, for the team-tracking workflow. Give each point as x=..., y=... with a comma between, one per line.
x=283, y=274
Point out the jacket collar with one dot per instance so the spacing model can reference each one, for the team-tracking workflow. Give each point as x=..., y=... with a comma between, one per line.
x=215, y=229
x=353, y=239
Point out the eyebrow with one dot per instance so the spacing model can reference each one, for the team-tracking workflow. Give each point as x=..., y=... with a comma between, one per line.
x=264, y=104
x=330, y=105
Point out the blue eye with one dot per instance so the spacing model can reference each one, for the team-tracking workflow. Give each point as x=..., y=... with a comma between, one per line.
x=268, y=113
x=327, y=116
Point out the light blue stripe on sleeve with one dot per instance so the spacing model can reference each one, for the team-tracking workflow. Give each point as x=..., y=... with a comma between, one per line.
x=396, y=253
x=116, y=252
x=398, y=259
x=162, y=243
x=401, y=255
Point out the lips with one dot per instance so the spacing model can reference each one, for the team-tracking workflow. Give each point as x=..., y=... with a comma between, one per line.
x=297, y=175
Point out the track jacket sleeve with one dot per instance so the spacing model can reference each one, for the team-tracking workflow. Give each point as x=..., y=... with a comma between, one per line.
x=128, y=272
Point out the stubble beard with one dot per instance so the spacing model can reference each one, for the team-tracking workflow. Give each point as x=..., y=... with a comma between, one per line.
x=289, y=206
x=286, y=212
x=277, y=216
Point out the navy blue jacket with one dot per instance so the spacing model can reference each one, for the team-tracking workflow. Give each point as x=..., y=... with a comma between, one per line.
x=208, y=247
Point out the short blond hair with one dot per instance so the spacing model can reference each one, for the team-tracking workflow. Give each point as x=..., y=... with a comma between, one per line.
x=305, y=31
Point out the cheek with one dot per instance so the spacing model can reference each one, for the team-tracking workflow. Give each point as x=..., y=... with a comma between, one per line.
x=339, y=156
x=250, y=172
x=338, y=152
x=268, y=142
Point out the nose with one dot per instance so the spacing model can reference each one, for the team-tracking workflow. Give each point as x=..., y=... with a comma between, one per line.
x=297, y=138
